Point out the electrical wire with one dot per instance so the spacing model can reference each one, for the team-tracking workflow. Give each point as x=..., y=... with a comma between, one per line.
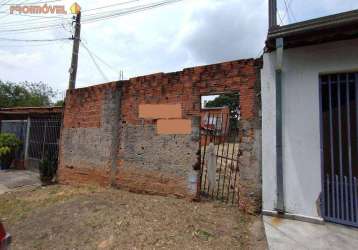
x=40, y=2
x=29, y=45
x=88, y=18
x=34, y=40
x=114, y=14
x=8, y=14
x=95, y=62
x=289, y=10
x=99, y=58
x=109, y=6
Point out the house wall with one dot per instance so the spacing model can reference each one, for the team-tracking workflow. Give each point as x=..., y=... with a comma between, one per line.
x=148, y=160
x=301, y=125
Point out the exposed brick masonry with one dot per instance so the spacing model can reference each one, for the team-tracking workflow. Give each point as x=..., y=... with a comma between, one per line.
x=164, y=163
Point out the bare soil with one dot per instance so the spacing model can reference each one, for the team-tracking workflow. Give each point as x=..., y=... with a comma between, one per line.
x=64, y=217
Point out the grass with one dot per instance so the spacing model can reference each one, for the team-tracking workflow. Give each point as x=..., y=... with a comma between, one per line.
x=89, y=217
x=17, y=205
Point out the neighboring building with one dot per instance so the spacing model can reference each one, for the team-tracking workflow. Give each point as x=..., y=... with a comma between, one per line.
x=214, y=121
x=309, y=119
x=38, y=128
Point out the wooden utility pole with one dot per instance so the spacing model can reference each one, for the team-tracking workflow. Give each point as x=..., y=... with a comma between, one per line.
x=272, y=13
x=75, y=50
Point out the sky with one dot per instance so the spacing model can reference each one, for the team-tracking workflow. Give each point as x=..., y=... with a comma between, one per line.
x=169, y=38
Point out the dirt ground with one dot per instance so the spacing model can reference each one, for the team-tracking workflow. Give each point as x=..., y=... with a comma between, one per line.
x=64, y=217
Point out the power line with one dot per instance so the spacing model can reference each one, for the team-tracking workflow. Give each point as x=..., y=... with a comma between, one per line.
x=40, y=2
x=3, y=3
x=95, y=62
x=91, y=18
x=9, y=13
x=34, y=40
x=114, y=14
x=29, y=45
x=289, y=11
x=281, y=19
x=100, y=59
x=111, y=5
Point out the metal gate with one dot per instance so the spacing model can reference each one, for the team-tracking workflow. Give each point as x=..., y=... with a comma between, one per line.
x=44, y=138
x=339, y=149
x=219, y=145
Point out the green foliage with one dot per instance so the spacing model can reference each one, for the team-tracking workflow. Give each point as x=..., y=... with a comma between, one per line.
x=4, y=151
x=8, y=145
x=48, y=168
x=60, y=103
x=25, y=94
x=231, y=100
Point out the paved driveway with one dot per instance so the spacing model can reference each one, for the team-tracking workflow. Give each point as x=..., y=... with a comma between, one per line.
x=13, y=179
x=291, y=234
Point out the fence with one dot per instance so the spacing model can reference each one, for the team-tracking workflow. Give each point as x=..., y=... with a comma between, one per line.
x=44, y=138
x=219, y=158
x=39, y=137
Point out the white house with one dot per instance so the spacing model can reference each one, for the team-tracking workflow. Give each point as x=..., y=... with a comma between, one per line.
x=310, y=118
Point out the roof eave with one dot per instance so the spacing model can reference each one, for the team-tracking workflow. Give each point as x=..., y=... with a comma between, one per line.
x=310, y=27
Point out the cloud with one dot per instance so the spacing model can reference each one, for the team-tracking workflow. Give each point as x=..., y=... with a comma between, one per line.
x=226, y=30
x=19, y=60
x=185, y=34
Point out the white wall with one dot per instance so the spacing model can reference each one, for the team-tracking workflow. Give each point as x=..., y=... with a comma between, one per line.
x=301, y=125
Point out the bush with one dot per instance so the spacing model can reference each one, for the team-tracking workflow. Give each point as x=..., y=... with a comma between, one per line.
x=8, y=146
x=48, y=169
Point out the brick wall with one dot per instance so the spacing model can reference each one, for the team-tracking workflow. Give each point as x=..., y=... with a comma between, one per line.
x=163, y=163
x=86, y=137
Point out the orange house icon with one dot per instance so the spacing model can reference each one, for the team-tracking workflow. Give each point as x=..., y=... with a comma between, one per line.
x=75, y=8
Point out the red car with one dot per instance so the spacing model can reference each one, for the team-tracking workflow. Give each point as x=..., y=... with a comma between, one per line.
x=5, y=238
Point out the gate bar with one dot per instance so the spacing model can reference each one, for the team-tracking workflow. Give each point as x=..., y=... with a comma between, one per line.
x=328, y=211
x=221, y=159
x=337, y=197
x=231, y=165
x=332, y=147
x=356, y=198
x=340, y=147
x=349, y=143
x=217, y=151
x=227, y=153
x=324, y=178
x=238, y=192
x=217, y=138
x=203, y=160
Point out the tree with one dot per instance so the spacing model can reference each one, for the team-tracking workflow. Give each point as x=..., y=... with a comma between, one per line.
x=59, y=103
x=25, y=94
x=230, y=100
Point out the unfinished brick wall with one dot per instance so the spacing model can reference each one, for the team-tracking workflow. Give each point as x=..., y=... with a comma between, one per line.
x=86, y=137
x=164, y=163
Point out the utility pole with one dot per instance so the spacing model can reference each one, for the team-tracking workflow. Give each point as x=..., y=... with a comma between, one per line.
x=272, y=13
x=75, y=50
